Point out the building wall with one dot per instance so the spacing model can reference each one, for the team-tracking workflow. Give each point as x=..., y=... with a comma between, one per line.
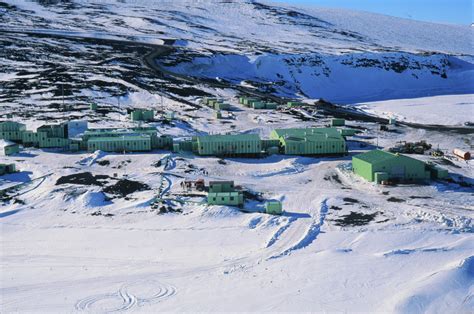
x=230, y=199
x=10, y=150
x=11, y=135
x=119, y=145
x=362, y=168
x=9, y=126
x=403, y=168
x=325, y=147
x=228, y=147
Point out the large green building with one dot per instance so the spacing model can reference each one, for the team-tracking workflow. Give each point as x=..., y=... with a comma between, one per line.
x=229, y=145
x=114, y=135
x=377, y=166
x=128, y=143
x=310, y=141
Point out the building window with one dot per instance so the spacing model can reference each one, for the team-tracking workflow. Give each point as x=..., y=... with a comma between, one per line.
x=232, y=198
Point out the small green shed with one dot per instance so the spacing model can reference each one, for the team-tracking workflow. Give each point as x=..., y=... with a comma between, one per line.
x=7, y=168
x=338, y=122
x=8, y=148
x=273, y=207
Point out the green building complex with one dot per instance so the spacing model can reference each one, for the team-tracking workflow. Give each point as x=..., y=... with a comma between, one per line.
x=380, y=166
x=224, y=193
x=310, y=141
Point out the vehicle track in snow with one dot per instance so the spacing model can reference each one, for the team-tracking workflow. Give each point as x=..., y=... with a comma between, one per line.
x=312, y=232
x=127, y=297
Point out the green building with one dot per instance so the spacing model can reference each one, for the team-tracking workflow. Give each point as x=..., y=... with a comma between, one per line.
x=377, y=166
x=225, y=198
x=273, y=208
x=8, y=148
x=142, y=115
x=338, y=122
x=229, y=145
x=128, y=143
x=12, y=131
x=157, y=141
x=7, y=168
x=221, y=186
x=310, y=141
x=93, y=106
x=224, y=193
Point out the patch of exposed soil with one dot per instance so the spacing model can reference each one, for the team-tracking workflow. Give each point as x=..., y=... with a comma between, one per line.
x=125, y=187
x=84, y=178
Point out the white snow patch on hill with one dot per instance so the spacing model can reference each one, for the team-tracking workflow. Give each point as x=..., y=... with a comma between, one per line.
x=442, y=110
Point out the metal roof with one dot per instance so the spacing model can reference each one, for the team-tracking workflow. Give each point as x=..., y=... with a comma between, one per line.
x=375, y=156
x=229, y=138
x=316, y=134
x=129, y=137
x=6, y=143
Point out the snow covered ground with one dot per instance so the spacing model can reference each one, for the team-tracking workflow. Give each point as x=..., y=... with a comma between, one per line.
x=442, y=110
x=342, y=245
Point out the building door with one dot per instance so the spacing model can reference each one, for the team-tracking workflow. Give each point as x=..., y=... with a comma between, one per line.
x=398, y=171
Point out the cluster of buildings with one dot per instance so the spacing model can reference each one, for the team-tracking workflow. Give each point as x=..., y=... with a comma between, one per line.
x=226, y=193
x=257, y=103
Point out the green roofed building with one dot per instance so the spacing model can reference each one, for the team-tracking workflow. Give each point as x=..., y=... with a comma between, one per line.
x=229, y=145
x=128, y=143
x=310, y=141
x=377, y=166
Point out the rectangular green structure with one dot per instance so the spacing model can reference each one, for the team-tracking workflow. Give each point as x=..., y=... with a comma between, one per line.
x=142, y=115
x=130, y=143
x=225, y=198
x=8, y=148
x=271, y=105
x=377, y=165
x=221, y=106
x=273, y=208
x=7, y=168
x=310, y=141
x=338, y=122
x=221, y=186
x=229, y=145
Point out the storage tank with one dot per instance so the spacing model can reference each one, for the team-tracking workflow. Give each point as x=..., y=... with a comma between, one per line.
x=462, y=154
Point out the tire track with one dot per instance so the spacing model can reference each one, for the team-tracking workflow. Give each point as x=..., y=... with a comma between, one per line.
x=128, y=296
x=310, y=235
